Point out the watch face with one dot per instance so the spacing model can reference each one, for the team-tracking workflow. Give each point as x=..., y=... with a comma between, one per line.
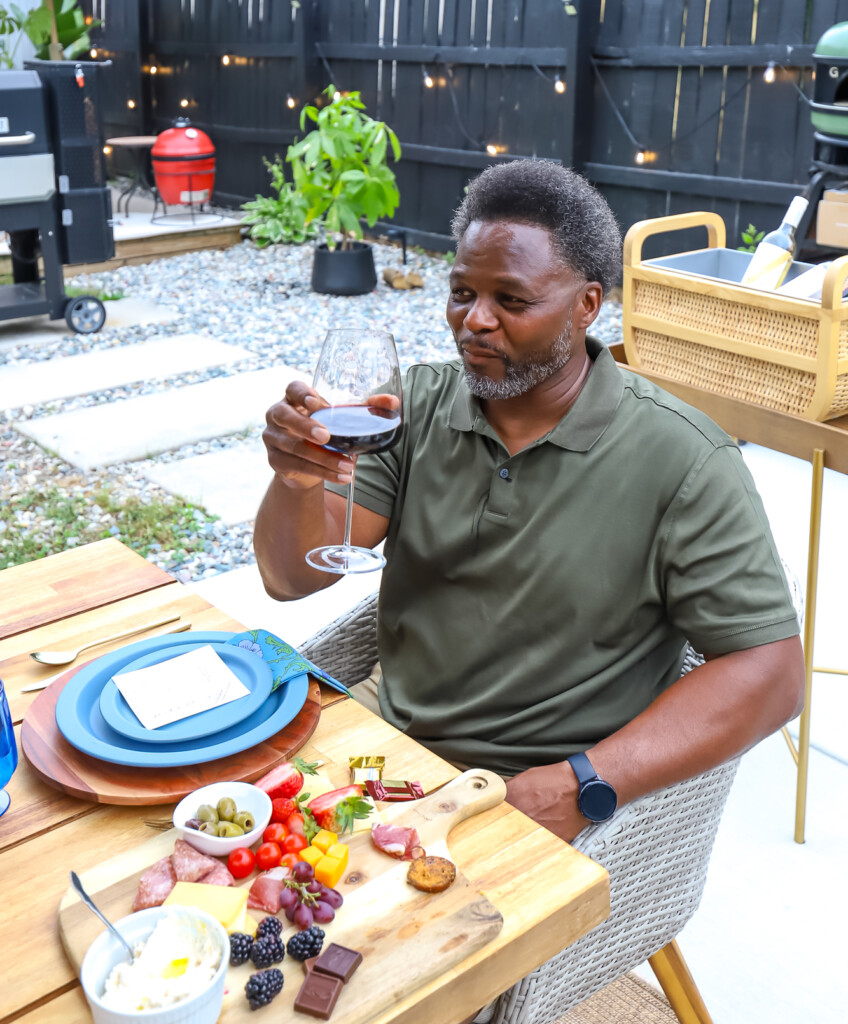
x=597, y=800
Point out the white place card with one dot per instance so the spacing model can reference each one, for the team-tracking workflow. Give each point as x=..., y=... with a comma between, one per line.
x=180, y=687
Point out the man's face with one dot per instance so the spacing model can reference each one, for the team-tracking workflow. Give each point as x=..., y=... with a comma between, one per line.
x=510, y=308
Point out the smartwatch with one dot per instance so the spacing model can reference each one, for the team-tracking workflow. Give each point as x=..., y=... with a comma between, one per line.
x=596, y=799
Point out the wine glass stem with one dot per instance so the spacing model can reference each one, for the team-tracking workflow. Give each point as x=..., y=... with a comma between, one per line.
x=349, y=511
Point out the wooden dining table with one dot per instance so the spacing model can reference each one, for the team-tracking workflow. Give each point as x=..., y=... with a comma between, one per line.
x=548, y=894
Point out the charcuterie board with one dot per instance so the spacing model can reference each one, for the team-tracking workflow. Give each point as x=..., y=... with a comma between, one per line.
x=64, y=767
x=407, y=937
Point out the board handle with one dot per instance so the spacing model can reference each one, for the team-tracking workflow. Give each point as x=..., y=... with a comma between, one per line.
x=470, y=793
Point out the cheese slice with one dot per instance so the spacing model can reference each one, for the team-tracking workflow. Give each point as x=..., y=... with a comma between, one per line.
x=225, y=903
x=364, y=824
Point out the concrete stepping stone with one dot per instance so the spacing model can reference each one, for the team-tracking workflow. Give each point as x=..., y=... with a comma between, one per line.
x=228, y=483
x=141, y=427
x=64, y=377
x=38, y=330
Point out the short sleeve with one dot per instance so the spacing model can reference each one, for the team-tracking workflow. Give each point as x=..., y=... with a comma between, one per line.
x=723, y=581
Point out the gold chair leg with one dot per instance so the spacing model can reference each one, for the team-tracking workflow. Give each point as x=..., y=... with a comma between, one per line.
x=809, y=638
x=679, y=986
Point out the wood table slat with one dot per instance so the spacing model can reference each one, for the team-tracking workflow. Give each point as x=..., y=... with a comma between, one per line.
x=56, y=587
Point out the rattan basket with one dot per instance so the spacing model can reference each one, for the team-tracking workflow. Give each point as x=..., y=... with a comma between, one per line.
x=687, y=317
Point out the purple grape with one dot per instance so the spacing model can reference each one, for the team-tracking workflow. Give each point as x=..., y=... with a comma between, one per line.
x=314, y=886
x=292, y=910
x=322, y=912
x=288, y=898
x=332, y=897
x=302, y=917
x=303, y=871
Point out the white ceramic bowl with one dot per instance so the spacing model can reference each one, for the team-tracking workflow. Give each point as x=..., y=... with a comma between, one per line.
x=106, y=952
x=247, y=798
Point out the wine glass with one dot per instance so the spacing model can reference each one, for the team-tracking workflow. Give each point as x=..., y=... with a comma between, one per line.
x=8, y=750
x=359, y=378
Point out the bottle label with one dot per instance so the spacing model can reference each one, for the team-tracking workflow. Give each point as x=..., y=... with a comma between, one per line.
x=768, y=266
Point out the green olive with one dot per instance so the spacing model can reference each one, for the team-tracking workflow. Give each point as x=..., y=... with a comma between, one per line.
x=226, y=830
x=210, y=828
x=227, y=809
x=207, y=813
x=245, y=820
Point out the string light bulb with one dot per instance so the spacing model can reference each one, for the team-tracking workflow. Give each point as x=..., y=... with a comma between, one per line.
x=225, y=60
x=336, y=96
x=427, y=78
x=769, y=74
x=183, y=103
x=559, y=85
x=153, y=69
x=492, y=149
x=290, y=101
x=640, y=156
x=93, y=53
x=107, y=150
x=131, y=104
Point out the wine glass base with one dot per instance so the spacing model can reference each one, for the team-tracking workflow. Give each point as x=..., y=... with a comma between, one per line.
x=5, y=800
x=343, y=560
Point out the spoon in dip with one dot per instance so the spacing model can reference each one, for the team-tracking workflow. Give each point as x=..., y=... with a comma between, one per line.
x=92, y=906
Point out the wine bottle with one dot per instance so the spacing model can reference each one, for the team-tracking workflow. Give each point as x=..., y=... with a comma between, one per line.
x=775, y=253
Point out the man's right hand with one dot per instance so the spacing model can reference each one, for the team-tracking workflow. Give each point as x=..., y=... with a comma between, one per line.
x=294, y=442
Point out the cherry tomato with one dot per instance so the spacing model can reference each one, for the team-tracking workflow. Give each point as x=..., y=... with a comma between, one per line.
x=294, y=823
x=294, y=843
x=276, y=832
x=268, y=856
x=241, y=862
x=289, y=860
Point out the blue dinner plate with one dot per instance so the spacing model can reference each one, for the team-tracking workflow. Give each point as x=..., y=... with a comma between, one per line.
x=251, y=670
x=79, y=719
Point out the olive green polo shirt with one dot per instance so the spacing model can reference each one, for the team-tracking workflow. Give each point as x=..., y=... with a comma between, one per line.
x=533, y=604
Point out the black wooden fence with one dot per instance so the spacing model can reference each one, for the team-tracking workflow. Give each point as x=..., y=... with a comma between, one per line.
x=667, y=105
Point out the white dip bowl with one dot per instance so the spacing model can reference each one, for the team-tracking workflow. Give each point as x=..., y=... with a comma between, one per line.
x=246, y=797
x=106, y=952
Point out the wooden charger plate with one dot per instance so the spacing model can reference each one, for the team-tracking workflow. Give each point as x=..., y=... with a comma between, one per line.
x=65, y=768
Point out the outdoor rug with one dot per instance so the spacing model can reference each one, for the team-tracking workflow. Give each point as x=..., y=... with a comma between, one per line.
x=628, y=1000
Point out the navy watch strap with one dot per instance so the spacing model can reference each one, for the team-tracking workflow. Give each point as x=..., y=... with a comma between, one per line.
x=582, y=768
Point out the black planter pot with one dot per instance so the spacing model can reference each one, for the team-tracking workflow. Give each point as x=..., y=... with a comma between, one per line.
x=344, y=271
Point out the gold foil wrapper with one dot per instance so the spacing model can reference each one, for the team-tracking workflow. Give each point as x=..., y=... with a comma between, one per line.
x=363, y=769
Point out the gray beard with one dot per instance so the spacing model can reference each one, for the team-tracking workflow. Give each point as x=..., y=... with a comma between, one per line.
x=519, y=378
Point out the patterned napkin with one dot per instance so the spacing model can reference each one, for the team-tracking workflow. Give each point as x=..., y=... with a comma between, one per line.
x=285, y=661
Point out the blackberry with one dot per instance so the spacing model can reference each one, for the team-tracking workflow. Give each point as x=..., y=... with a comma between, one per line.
x=262, y=987
x=240, y=948
x=269, y=927
x=306, y=944
x=267, y=951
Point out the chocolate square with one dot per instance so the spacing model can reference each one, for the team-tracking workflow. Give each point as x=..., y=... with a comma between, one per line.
x=337, y=961
x=318, y=995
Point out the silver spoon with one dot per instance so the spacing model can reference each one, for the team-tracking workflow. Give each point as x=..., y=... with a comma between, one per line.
x=92, y=906
x=66, y=657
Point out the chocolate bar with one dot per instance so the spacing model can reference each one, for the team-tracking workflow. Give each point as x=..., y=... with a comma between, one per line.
x=318, y=994
x=363, y=769
x=337, y=961
x=394, y=789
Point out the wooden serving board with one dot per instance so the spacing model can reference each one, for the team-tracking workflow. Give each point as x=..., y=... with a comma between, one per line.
x=64, y=767
x=406, y=937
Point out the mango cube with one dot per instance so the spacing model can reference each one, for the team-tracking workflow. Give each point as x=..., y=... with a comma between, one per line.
x=338, y=851
x=311, y=855
x=324, y=840
x=328, y=871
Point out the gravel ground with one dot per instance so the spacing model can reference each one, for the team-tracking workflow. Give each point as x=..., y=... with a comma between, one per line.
x=259, y=299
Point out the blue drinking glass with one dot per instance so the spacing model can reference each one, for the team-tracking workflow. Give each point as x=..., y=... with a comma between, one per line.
x=8, y=750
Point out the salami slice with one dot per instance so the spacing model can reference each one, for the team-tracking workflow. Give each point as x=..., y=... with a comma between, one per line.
x=218, y=875
x=397, y=841
x=155, y=885
x=191, y=865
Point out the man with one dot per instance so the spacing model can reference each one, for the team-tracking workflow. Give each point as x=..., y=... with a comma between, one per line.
x=556, y=529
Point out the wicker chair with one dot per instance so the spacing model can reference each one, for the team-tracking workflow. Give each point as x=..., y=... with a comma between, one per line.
x=655, y=849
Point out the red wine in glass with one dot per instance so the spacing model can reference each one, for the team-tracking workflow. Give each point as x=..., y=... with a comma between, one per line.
x=359, y=429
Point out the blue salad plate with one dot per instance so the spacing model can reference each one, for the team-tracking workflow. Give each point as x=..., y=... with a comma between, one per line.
x=81, y=722
x=252, y=671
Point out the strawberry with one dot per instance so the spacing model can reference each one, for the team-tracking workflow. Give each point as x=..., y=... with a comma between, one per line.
x=286, y=780
x=338, y=810
x=282, y=808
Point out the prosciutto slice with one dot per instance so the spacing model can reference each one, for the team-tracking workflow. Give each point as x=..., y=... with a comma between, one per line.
x=397, y=841
x=155, y=885
x=191, y=865
x=265, y=892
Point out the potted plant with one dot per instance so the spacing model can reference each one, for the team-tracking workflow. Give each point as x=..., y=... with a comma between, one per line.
x=340, y=169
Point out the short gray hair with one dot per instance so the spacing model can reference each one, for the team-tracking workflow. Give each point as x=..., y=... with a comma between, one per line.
x=584, y=231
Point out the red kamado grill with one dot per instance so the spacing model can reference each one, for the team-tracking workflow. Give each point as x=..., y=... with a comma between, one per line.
x=184, y=164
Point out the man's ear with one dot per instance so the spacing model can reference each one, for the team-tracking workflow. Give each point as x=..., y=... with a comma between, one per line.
x=587, y=305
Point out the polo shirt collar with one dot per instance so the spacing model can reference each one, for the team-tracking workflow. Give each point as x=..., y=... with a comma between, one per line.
x=584, y=422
